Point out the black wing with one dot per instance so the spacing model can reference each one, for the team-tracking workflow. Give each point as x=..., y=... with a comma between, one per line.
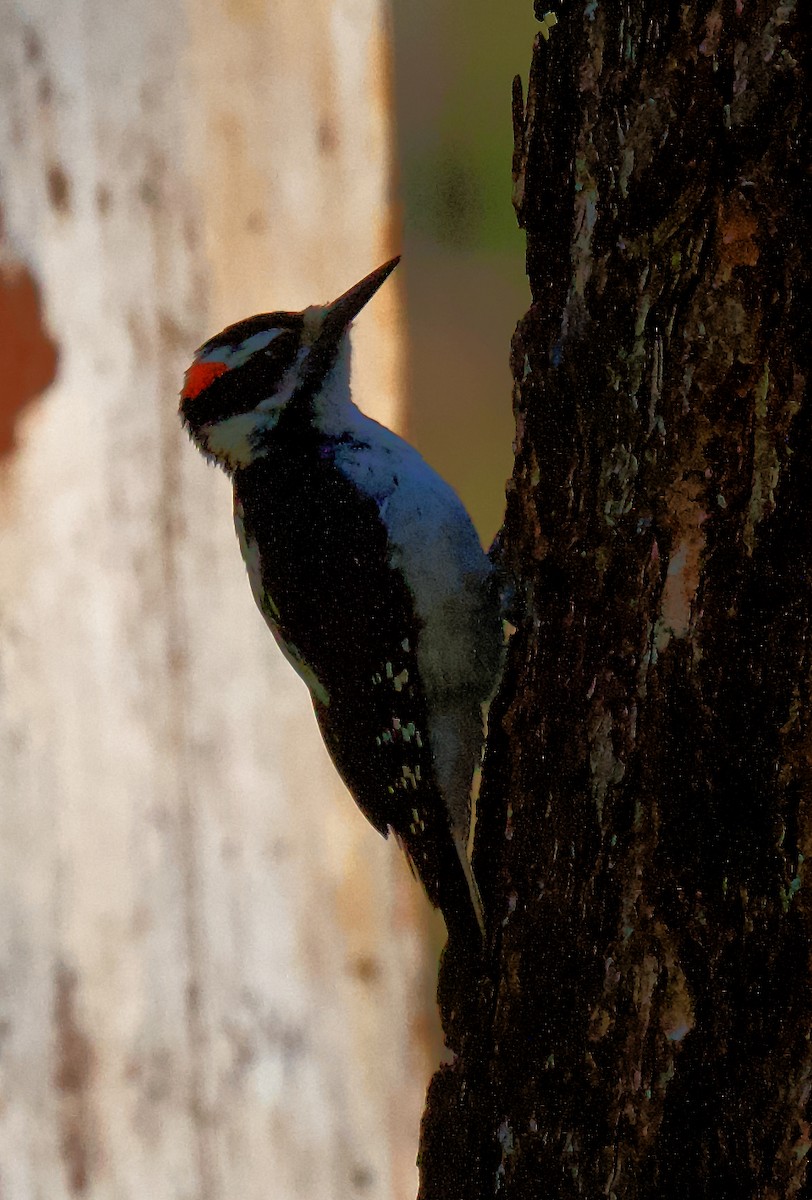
x=350, y=616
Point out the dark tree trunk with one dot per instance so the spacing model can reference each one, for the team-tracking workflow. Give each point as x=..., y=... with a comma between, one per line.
x=642, y=1028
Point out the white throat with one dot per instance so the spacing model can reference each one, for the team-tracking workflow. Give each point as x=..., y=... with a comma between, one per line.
x=333, y=410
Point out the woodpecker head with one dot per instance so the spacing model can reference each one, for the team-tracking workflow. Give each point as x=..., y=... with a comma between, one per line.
x=243, y=379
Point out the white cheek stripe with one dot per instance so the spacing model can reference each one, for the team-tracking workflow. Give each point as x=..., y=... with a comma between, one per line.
x=287, y=384
x=230, y=441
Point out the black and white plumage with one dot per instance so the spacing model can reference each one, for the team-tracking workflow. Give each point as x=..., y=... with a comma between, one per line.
x=368, y=572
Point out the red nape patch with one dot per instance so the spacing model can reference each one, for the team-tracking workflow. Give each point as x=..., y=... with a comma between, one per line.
x=199, y=376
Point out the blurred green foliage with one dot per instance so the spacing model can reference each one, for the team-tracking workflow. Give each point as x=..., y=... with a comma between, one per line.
x=454, y=65
x=463, y=252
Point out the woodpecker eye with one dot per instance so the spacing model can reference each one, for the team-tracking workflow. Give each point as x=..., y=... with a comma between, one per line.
x=242, y=350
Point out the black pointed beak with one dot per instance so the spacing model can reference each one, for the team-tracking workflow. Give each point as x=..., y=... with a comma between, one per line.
x=343, y=310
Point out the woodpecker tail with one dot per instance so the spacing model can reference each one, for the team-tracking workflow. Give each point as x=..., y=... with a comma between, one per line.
x=448, y=881
x=474, y=897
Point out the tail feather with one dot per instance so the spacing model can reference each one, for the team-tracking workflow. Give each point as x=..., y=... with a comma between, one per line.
x=448, y=881
x=473, y=889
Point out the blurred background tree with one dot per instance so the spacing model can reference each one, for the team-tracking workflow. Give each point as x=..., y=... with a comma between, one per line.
x=215, y=978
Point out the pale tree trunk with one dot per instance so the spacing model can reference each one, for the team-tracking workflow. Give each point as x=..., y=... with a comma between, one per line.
x=210, y=972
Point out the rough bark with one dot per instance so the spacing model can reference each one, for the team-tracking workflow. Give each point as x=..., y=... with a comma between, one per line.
x=210, y=977
x=641, y=1025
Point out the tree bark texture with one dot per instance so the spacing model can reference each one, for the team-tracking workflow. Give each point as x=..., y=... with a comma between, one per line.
x=642, y=1025
x=210, y=973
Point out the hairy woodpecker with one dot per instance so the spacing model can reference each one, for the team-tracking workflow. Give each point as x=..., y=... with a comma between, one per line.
x=367, y=570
